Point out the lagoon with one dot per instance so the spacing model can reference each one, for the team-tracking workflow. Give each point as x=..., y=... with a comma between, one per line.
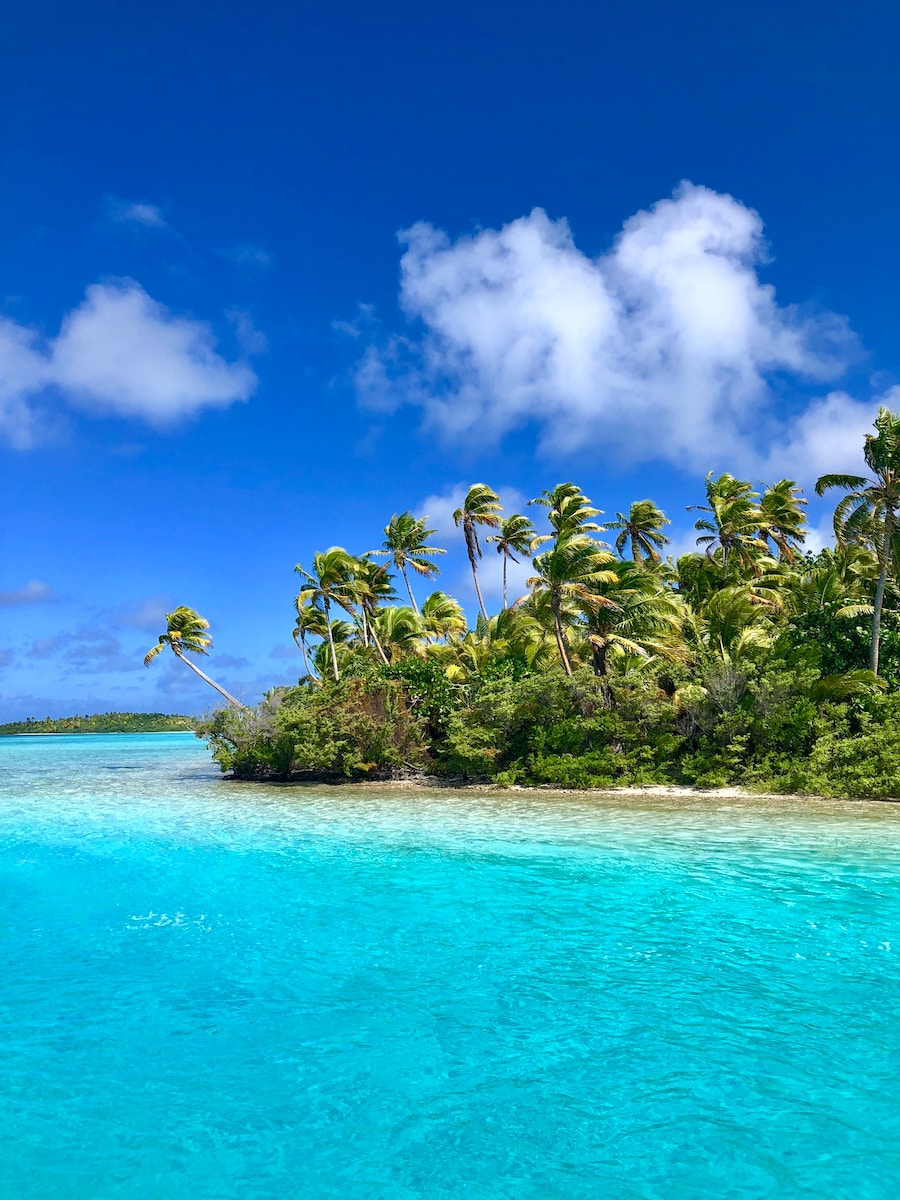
x=215, y=989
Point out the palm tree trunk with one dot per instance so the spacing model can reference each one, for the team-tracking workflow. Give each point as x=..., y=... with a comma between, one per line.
x=305, y=659
x=212, y=683
x=327, y=607
x=365, y=626
x=412, y=598
x=560, y=637
x=875, y=644
x=505, y=560
x=477, y=586
x=598, y=658
x=378, y=646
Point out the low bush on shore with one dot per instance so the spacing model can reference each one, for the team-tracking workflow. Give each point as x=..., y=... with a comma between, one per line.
x=763, y=730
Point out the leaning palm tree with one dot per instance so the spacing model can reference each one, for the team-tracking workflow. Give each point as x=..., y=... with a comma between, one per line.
x=872, y=505
x=186, y=633
x=515, y=537
x=332, y=580
x=481, y=507
x=642, y=527
x=406, y=542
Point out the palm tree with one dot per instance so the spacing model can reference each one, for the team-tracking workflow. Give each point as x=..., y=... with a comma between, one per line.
x=442, y=616
x=569, y=571
x=734, y=524
x=310, y=620
x=643, y=619
x=374, y=586
x=406, y=542
x=338, y=644
x=511, y=634
x=516, y=534
x=643, y=528
x=872, y=504
x=186, y=632
x=332, y=581
x=481, y=507
x=400, y=630
x=841, y=578
x=730, y=623
x=782, y=518
x=569, y=511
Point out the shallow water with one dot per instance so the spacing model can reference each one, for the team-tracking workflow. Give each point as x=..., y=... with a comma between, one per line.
x=223, y=990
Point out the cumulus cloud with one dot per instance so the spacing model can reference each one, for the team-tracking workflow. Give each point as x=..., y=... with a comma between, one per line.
x=119, y=352
x=828, y=436
x=32, y=592
x=130, y=213
x=664, y=344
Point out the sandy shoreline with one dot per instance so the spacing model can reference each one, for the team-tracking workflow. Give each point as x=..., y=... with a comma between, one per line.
x=659, y=791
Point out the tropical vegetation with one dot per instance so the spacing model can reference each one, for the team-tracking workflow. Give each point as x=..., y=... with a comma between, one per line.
x=111, y=722
x=750, y=660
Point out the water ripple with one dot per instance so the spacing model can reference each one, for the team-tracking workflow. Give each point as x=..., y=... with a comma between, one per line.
x=219, y=990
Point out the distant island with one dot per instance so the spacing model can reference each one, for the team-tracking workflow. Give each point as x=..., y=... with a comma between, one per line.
x=101, y=723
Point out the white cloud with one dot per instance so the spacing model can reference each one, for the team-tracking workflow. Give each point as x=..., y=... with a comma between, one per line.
x=828, y=437
x=657, y=349
x=22, y=372
x=119, y=352
x=148, y=614
x=490, y=575
x=821, y=534
x=33, y=592
x=129, y=213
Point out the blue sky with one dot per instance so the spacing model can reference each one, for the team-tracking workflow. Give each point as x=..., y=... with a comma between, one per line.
x=642, y=241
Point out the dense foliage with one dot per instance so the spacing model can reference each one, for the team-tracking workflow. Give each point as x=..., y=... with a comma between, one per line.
x=101, y=723
x=745, y=662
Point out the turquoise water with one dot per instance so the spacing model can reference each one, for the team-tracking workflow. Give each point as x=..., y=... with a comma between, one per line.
x=218, y=990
